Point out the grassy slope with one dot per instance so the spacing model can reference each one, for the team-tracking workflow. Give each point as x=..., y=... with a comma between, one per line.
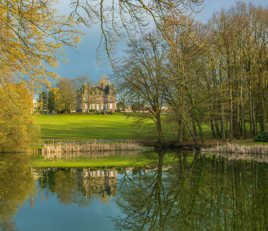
x=116, y=126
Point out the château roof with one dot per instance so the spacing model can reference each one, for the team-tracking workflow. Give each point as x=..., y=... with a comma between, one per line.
x=104, y=87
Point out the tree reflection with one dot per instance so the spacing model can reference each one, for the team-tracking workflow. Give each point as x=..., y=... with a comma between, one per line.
x=16, y=184
x=141, y=198
x=78, y=185
x=196, y=193
x=66, y=186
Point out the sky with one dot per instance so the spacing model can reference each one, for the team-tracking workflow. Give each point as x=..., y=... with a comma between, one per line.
x=86, y=59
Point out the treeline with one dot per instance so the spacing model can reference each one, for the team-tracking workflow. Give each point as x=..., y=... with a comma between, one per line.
x=63, y=97
x=237, y=64
x=59, y=99
x=208, y=75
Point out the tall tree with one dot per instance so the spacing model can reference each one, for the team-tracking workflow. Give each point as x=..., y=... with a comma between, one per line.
x=51, y=99
x=65, y=98
x=142, y=74
x=237, y=71
x=185, y=46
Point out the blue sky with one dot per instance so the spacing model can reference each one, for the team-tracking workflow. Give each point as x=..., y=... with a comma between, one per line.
x=83, y=59
x=211, y=6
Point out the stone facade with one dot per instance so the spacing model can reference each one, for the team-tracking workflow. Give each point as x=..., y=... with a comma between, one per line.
x=101, y=97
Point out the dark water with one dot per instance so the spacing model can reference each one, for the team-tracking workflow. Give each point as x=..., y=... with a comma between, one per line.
x=194, y=193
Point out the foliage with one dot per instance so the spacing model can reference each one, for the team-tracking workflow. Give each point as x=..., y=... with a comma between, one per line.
x=31, y=33
x=51, y=100
x=142, y=74
x=236, y=71
x=120, y=107
x=262, y=137
x=212, y=74
x=65, y=96
x=17, y=130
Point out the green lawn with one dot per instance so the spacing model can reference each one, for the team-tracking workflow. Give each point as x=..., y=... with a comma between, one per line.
x=109, y=127
x=92, y=126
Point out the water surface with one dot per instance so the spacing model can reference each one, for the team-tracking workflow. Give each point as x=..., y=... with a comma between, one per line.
x=197, y=192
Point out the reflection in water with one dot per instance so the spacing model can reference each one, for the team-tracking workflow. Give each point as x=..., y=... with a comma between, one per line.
x=197, y=192
x=260, y=158
x=16, y=184
x=77, y=185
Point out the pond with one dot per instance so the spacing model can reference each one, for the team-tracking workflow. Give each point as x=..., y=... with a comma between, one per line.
x=196, y=192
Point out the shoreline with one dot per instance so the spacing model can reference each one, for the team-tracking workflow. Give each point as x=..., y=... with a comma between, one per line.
x=137, y=157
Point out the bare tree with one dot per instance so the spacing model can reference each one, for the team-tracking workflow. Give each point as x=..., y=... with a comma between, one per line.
x=141, y=74
x=80, y=81
x=185, y=47
x=128, y=18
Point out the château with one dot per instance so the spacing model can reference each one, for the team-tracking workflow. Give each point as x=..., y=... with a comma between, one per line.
x=100, y=97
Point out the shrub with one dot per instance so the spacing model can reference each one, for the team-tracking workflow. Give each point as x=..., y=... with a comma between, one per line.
x=262, y=137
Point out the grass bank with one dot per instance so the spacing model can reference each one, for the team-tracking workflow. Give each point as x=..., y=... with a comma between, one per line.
x=139, y=160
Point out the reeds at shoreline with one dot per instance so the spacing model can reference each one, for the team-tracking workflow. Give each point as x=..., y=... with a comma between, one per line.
x=230, y=148
x=91, y=155
x=86, y=147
